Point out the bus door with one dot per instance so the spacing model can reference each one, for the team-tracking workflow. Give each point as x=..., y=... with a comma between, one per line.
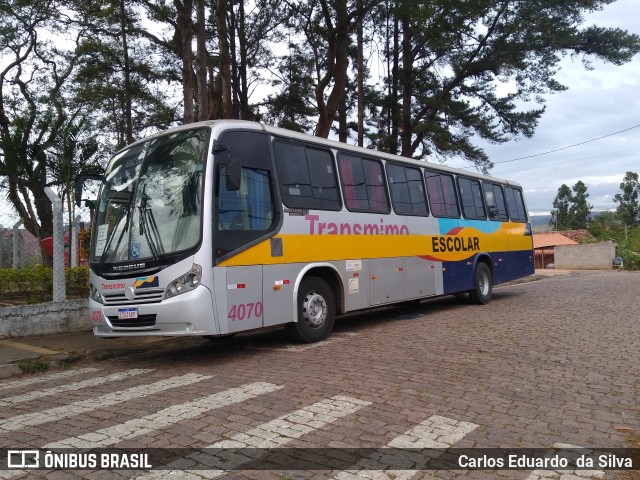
x=245, y=215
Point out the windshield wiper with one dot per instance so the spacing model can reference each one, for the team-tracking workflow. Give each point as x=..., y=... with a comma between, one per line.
x=126, y=210
x=148, y=222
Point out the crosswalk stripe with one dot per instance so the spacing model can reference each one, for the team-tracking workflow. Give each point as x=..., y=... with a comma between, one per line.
x=91, y=382
x=434, y=432
x=275, y=433
x=166, y=417
x=45, y=377
x=558, y=474
x=110, y=399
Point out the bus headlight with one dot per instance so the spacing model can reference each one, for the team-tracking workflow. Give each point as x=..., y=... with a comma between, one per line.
x=95, y=294
x=185, y=283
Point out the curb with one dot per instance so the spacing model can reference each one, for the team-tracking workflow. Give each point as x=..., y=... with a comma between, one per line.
x=9, y=370
x=55, y=361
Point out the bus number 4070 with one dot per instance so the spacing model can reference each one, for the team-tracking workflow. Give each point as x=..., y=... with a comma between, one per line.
x=244, y=311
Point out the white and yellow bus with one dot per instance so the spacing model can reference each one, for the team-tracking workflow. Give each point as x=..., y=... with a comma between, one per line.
x=220, y=227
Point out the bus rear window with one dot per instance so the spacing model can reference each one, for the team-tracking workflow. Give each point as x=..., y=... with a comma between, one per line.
x=515, y=204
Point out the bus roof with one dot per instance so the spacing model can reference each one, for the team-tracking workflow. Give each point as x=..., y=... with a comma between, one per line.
x=218, y=126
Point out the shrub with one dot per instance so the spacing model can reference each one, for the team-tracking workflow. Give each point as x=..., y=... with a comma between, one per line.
x=35, y=284
x=33, y=365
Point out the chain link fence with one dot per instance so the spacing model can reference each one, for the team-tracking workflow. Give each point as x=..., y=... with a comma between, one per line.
x=36, y=269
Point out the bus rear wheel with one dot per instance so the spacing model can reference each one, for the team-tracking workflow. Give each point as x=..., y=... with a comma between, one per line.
x=316, y=312
x=483, y=285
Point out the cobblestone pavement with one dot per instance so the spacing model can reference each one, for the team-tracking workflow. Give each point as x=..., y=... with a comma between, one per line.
x=547, y=363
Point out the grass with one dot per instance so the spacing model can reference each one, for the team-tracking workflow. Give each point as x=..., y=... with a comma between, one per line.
x=33, y=365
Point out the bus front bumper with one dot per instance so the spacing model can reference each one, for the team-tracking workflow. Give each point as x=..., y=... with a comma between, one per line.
x=190, y=313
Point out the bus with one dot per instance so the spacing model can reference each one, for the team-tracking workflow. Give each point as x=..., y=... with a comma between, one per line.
x=220, y=227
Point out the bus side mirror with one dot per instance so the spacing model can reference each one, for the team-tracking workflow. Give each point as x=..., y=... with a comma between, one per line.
x=79, y=185
x=233, y=174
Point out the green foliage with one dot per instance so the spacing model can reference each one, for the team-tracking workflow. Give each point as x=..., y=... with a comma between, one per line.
x=561, y=205
x=628, y=199
x=570, y=208
x=35, y=284
x=33, y=365
x=580, y=211
x=609, y=226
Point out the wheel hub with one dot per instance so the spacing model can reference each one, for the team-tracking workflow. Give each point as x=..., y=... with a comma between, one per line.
x=314, y=309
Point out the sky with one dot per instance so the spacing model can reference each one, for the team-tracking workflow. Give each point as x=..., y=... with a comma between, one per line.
x=598, y=102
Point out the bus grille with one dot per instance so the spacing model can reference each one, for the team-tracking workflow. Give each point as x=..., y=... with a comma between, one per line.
x=143, y=295
x=141, y=321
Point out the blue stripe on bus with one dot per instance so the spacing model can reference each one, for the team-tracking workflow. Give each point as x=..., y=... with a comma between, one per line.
x=447, y=224
x=458, y=276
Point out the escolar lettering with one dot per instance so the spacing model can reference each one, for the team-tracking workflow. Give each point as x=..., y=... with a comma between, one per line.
x=455, y=244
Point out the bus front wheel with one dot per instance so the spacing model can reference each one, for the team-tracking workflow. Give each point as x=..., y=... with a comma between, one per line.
x=481, y=294
x=316, y=311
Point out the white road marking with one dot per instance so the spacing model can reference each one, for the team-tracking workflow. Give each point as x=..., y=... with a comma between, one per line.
x=566, y=474
x=45, y=377
x=166, y=417
x=273, y=434
x=108, y=400
x=435, y=432
x=91, y=382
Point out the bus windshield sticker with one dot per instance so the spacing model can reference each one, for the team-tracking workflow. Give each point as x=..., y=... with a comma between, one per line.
x=101, y=240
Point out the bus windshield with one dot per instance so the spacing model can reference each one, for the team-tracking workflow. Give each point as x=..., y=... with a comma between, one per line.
x=151, y=202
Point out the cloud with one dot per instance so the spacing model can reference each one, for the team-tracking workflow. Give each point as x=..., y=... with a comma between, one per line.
x=598, y=102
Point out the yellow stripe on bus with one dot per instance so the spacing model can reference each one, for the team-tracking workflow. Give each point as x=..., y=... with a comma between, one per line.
x=318, y=248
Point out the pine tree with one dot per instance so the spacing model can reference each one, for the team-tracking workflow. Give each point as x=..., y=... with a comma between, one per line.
x=580, y=210
x=628, y=200
x=560, y=219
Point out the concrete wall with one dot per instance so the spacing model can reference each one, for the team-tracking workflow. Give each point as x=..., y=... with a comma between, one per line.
x=45, y=318
x=590, y=256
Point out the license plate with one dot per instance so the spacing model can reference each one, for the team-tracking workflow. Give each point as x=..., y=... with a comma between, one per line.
x=125, y=313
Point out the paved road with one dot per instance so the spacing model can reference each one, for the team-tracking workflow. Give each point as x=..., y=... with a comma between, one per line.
x=547, y=363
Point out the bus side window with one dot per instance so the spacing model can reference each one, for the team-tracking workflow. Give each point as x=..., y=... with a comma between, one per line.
x=249, y=208
x=307, y=176
x=442, y=195
x=471, y=197
x=495, y=202
x=407, y=190
x=363, y=184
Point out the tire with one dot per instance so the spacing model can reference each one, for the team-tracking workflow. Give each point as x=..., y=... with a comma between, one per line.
x=481, y=294
x=316, y=312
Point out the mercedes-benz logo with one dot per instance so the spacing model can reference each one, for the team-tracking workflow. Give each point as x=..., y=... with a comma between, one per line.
x=130, y=293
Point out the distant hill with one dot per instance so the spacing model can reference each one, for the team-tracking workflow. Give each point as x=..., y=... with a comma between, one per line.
x=540, y=220
x=543, y=220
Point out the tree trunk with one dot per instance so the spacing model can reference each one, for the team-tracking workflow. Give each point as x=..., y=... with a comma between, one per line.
x=360, y=78
x=186, y=25
x=243, y=90
x=225, y=59
x=127, y=75
x=201, y=61
x=393, y=138
x=407, y=87
x=337, y=67
x=343, y=128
